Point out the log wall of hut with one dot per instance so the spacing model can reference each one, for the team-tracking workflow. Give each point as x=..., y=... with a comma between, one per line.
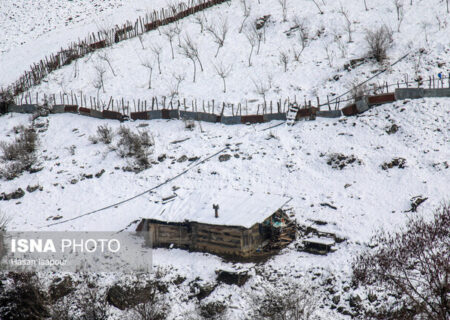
x=163, y=235
x=219, y=239
x=252, y=239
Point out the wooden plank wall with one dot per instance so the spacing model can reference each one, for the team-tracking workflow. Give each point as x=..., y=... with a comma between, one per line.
x=163, y=235
x=227, y=240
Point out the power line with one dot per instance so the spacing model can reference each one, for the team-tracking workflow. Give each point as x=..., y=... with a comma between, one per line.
x=376, y=75
x=139, y=194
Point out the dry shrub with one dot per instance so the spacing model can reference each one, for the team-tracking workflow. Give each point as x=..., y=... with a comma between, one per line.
x=411, y=265
x=19, y=155
x=23, y=298
x=135, y=145
x=93, y=305
x=293, y=303
x=378, y=42
x=104, y=134
x=61, y=310
x=396, y=162
x=153, y=309
x=340, y=161
x=4, y=221
x=22, y=146
x=6, y=99
x=213, y=310
x=358, y=91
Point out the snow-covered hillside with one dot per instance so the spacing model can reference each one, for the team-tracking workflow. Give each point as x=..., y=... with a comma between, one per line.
x=283, y=160
x=32, y=30
x=288, y=161
x=315, y=47
x=350, y=176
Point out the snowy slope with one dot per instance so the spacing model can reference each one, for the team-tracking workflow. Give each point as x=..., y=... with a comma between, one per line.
x=32, y=30
x=423, y=33
x=282, y=161
x=289, y=161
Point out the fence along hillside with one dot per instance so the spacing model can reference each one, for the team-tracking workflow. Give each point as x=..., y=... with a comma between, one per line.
x=211, y=111
x=106, y=38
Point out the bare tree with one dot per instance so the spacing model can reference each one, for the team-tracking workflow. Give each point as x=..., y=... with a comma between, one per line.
x=247, y=9
x=76, y=69
x=157, y=49
x=223, y=72
x=251, y=37
x=296, y=53
x=348, y=23
x=175, y=88
x=412, y=265
x=199, y=19
x=320, y=10
x=180, y=78
x=261, y=88
x=186, y=50
x=303, y=38
x=342, y=47
x=284, y=59
x=330, y=55
x=425, y=25
x=401, y=16
x=170, y=33
x=441, y=24
x=257, y=34
x=173, y=93
x=147, y=64
x=62, y=83
x=177, y=30
x=193, y=47
x=219, y=34
x=99, y=82
x=106, y=58
x=283, y=4
x=398, y=7
x=303, y=29
x=141, y=40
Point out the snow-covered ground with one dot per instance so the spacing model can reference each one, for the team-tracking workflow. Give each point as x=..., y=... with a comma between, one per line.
x=422, y=32
x=283, y=161
x=32, y=30
x=288, y=161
